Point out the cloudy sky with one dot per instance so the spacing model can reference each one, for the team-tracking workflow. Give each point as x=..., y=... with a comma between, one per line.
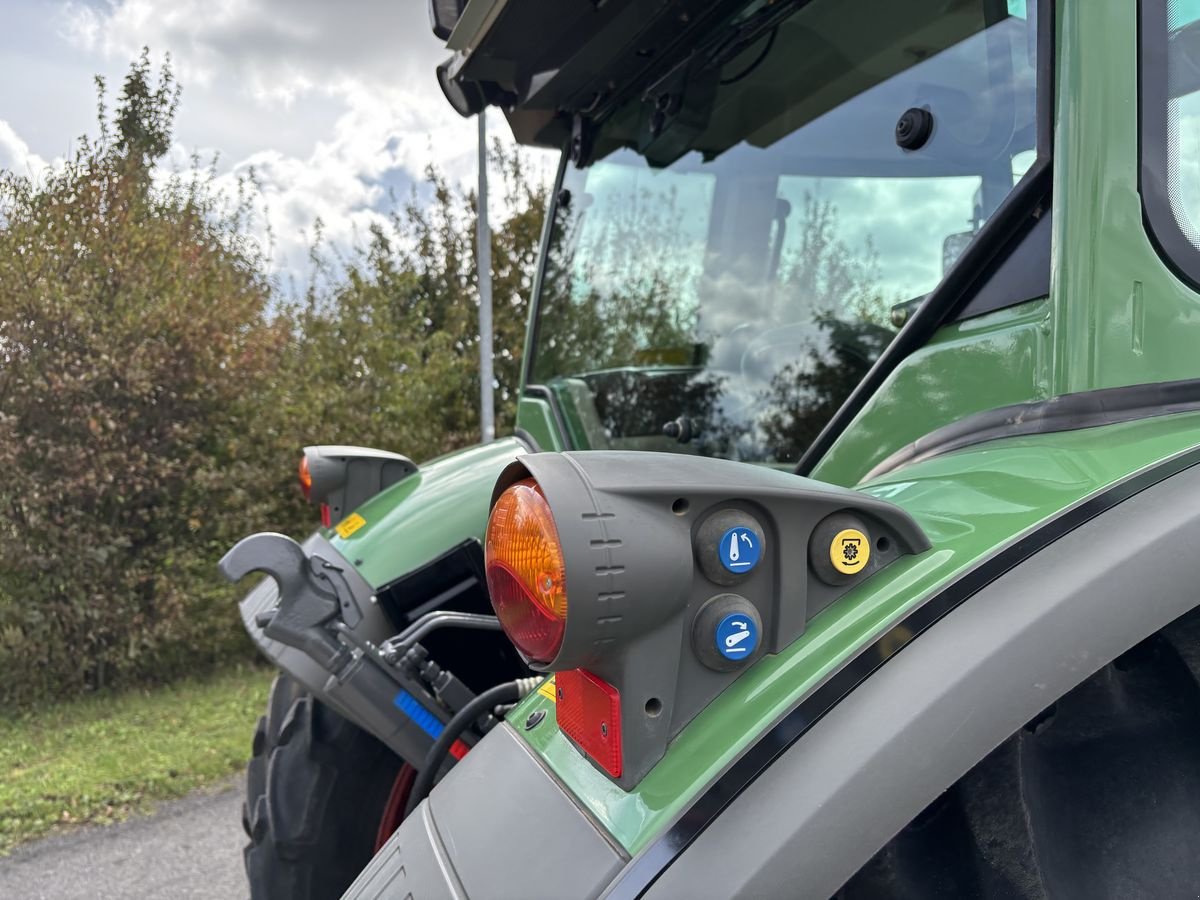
x=334, y=104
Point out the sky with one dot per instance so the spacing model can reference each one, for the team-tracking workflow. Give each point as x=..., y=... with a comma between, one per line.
x=334, y=104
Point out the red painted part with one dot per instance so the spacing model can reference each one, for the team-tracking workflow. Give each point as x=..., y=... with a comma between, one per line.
x=458, y=749
x=325, y=517
x=393, y=813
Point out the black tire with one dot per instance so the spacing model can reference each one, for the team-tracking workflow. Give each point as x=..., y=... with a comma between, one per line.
x=316, y=788
x=1097, y=797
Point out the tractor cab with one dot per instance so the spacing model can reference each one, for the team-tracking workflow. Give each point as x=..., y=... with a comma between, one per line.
x=737, y=234
x=841, y=546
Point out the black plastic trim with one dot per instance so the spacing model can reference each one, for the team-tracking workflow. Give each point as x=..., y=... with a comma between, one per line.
x=1161, y=223
x=530, y=442
x=998, y=237
x=1070, y=412
x=636, y=878
x=1023, y=274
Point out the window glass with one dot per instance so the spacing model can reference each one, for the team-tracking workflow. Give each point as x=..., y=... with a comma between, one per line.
x=1183, y=119
x=726, y=299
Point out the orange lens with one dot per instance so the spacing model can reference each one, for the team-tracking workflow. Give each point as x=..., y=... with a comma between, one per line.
x=305, y=477
x=525, y=572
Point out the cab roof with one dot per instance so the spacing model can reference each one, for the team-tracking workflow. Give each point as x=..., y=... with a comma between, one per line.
x=554, y=66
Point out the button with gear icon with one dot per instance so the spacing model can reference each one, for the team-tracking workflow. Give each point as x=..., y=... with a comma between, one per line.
x=850, y=551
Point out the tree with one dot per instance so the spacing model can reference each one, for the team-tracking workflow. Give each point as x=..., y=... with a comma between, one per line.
x=386, y=342
x=134, y=339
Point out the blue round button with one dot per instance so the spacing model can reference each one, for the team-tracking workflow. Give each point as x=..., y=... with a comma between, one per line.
x=739, y=549
x=737, y=636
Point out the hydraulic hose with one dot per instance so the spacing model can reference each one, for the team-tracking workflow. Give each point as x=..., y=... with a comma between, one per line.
x=508, y=692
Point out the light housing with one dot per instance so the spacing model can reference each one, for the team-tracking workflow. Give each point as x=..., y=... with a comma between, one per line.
x=305, y=475
x=526, y=576
x=444, y=15
x=643, y=544
x=340, y=479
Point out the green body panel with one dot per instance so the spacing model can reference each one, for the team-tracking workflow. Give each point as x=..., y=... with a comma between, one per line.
x=1123, y=317
x=422, y=517
x=982, y=363
x=535, y=417
x=969, y=503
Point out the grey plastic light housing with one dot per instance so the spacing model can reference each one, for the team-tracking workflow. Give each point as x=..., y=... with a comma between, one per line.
x=344, y=478
x=637, y=530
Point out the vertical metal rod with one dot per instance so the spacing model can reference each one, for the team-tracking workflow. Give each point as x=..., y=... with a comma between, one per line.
x=483, y=264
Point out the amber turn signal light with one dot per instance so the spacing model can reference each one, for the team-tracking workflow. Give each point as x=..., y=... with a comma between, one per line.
x=305, y=477
x=526, y=576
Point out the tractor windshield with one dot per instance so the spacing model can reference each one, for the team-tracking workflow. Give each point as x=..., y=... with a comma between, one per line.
x=724, y=274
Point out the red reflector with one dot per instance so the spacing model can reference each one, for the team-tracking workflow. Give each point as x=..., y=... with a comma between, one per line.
x=326, y=518
x=458, y=749
x=589, y=713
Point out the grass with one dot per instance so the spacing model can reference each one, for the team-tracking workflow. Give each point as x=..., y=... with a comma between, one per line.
x=102, y=758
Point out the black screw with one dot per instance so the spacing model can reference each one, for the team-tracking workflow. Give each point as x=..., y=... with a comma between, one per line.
x=603, y=729
x=535, y=719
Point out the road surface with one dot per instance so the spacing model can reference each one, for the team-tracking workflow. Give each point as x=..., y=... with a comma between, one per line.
x=190, y=849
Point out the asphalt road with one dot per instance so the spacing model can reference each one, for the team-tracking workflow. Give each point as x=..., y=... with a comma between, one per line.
x=190, y=848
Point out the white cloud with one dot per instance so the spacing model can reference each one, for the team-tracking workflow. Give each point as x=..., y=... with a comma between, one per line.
x=16, y=156
x=332, y=104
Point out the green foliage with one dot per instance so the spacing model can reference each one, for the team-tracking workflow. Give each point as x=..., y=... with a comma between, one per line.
x=134, y=336
x=155, y=388
x=389, y=357
x=99, y=758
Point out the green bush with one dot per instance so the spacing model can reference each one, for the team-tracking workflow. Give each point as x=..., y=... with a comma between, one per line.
x=135, y=341
x=155, y=389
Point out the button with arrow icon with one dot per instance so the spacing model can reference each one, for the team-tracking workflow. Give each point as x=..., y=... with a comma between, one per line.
x=739, y=549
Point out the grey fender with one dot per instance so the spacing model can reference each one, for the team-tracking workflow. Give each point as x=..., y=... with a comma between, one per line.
x=925, y=717
x=499, y=825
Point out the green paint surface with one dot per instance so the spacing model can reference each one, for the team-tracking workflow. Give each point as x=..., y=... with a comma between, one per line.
x=980, y=364
x=969, y=503
x=1121, y=316
x=422, y=517
x=535, y=417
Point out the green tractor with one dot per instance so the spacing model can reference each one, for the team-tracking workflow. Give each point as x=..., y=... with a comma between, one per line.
x=844, y=543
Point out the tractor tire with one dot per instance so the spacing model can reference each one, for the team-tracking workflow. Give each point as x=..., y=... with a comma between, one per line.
x=1097, y=797
x=316, y=788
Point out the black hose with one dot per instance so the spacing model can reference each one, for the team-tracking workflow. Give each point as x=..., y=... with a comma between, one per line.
x=501, y=693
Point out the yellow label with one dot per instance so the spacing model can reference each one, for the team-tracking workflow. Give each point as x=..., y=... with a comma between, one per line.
x=350, y=524
x=548, y=690
x=850, y=551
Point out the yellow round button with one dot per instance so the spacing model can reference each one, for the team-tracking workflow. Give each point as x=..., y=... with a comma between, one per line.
x=850, y=551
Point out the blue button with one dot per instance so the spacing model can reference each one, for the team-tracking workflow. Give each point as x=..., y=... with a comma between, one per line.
x=739, y=549
x=737, y=636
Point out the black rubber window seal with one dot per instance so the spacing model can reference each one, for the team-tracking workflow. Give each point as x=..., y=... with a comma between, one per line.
x=1069, y=412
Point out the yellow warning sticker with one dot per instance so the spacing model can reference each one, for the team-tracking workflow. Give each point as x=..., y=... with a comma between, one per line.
x=850, y=551
x=548, y=690
x=350, y=524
